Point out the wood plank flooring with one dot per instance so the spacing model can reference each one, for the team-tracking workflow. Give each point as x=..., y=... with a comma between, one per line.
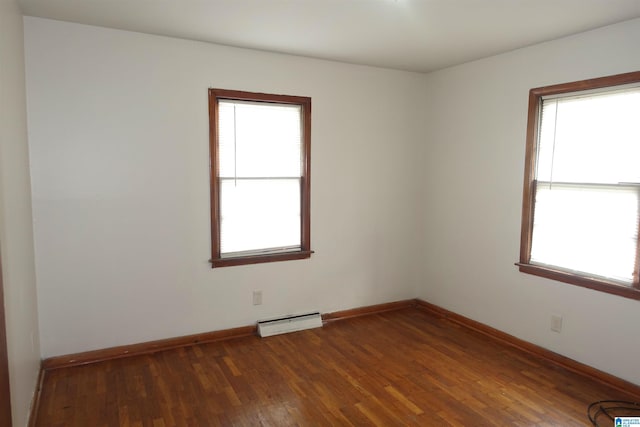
x=401, y=368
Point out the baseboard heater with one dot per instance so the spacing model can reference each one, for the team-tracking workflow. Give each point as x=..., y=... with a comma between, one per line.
x=283, y=325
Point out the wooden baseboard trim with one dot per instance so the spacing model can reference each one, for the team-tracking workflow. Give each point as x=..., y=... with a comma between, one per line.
x=102, y=355
x=368, y=310
x=535, y=350
x=171, y=343
x=35, y=403
x=94, y=356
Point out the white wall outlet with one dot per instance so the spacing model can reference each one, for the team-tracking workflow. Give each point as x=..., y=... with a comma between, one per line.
x=257, y=297
x=556, y=323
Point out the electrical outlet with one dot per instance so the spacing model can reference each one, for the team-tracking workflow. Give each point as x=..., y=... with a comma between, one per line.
x=257, y=297
x=556, y=323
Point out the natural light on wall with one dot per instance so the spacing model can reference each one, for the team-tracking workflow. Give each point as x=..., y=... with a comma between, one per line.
x=587, y=184
x=260, y=169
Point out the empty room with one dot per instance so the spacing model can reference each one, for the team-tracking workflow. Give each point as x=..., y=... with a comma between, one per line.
x=319, y=212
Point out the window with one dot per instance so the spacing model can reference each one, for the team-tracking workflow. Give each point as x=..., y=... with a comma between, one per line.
x=260, y=168
x=581, y=198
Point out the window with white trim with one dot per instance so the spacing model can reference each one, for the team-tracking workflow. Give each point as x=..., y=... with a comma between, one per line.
x=581, y=207
x=260, y=167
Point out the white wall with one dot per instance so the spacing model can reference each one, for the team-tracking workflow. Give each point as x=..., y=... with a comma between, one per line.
x=16, y=233
x=401, y=163
x=119, y=148
x=473, y=194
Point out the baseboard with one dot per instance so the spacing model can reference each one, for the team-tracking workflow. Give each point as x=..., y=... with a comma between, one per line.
x=35, y=403
x=102, y=355
x=368, y=310
x=532, y=349
x=94, y=356
x=171, y=343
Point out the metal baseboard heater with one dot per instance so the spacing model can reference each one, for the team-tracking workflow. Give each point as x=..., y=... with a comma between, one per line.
x=283, y=325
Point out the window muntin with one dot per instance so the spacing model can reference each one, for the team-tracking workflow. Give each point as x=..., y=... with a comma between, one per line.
x=582, y=192
x=260, y=162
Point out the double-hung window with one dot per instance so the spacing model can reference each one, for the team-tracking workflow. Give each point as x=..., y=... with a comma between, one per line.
x=260, y=170
x=581, y=207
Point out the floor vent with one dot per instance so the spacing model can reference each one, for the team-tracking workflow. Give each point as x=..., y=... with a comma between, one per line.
x=282, y=325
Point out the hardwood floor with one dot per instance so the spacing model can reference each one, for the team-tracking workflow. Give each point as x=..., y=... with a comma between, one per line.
x=398, y=368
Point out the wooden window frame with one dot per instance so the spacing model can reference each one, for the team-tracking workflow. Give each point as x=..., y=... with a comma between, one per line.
x=5, y=387
x=305, y=251
x=535, y=102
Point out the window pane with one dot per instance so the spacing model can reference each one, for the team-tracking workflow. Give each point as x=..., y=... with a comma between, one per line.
x=589, y=229
x=591, y=139
x=250, y=133
x=259, y=214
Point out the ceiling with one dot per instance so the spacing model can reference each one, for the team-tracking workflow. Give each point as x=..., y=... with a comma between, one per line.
x=414, y=35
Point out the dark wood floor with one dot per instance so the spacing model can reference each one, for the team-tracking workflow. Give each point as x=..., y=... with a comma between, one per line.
x=392, y=369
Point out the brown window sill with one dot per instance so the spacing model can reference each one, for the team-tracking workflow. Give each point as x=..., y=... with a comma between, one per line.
x=578, y=280
x=257, y=259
